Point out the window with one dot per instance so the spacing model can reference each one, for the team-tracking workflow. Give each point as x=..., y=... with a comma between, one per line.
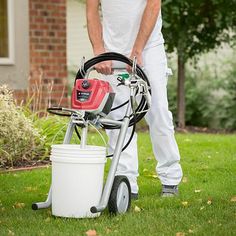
x=6, y=32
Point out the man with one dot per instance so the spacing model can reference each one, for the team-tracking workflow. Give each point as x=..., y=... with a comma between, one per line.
x=133, y=28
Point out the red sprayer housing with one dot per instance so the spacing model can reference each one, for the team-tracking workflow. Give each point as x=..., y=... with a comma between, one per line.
x=92, y=95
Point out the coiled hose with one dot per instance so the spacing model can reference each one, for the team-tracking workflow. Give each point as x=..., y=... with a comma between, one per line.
x=142, y=107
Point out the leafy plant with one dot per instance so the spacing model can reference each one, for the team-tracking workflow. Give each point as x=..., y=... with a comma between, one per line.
x=53, y=129
x=19, y=139
x=210, y=97
x=228, y=101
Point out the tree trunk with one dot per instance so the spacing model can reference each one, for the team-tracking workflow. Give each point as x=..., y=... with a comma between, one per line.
x=181, y=93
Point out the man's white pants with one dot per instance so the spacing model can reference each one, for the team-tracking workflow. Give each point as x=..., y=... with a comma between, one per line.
x=159, y=120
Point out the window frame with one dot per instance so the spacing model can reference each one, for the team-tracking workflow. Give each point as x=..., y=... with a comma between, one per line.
x=10, y=60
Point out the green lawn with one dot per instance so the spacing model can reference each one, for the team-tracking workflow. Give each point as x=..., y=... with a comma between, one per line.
x=206, y=205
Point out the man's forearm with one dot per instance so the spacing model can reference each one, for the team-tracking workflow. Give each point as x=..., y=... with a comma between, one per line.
x=148, y=22
x=95, y=35
x=94, y=26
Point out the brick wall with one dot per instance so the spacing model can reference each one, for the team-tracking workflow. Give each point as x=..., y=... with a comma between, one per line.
x=48, y=69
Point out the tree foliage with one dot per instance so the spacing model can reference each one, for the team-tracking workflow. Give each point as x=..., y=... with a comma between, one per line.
x=192, y=27
x=197, y=26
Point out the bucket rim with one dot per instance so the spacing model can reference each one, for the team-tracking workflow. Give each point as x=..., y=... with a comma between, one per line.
x=77, y=147
x=56, y=159
x=78, y=155
x=74, y=151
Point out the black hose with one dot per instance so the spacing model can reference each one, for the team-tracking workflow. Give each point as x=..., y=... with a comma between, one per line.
x=58, y=111
x=128, y=142
x=77, y=131
x=121, y=105
x=112, y=56
x=132, y=133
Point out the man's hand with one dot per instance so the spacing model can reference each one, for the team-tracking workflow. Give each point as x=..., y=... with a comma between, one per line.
x=104, y=67
x=138, y=55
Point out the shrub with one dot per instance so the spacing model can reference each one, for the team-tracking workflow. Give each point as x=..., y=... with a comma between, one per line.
x=53, y=129
x=19, y=140
x=228, y=101
x=210, y=97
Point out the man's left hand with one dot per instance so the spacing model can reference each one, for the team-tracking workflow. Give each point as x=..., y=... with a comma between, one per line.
x=138, y=56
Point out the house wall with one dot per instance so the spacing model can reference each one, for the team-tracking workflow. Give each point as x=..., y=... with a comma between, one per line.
x=48, y=57
x=78, y=44
x=16, y=74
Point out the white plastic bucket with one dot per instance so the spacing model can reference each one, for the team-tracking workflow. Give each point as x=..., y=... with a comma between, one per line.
x=75, y=150
x=77, y=179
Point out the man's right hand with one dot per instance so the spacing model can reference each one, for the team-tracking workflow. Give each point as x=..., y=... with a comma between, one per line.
x=104, y=67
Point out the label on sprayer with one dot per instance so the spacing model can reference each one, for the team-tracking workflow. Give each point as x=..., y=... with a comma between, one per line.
x=83, y=96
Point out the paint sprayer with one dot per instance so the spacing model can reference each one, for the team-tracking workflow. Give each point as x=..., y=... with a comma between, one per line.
x=77, y=188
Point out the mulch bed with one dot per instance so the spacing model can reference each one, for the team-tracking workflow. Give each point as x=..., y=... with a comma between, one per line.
x=194, y=129
x=26, y=165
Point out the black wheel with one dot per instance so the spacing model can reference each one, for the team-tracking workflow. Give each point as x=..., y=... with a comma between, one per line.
x=120, y=198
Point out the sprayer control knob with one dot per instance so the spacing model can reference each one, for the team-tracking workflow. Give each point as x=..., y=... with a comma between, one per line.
x=85, y=84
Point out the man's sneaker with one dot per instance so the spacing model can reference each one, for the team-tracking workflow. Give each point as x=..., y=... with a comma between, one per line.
x=169, y=190
x=134, y=196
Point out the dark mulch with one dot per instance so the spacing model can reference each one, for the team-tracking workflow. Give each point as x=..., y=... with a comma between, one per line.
x=143, y=127
x=195, y=129
x=25, y=165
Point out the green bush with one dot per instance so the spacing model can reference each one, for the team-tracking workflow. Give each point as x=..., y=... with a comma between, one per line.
x=53, y=129
x=210, y=97
x=228, y=101
x=19, y=140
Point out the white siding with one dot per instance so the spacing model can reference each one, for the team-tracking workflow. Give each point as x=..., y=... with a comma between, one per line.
x=78, y=44
x=16, y=74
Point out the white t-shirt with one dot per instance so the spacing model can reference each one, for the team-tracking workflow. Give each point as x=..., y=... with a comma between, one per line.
x=121, y=22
